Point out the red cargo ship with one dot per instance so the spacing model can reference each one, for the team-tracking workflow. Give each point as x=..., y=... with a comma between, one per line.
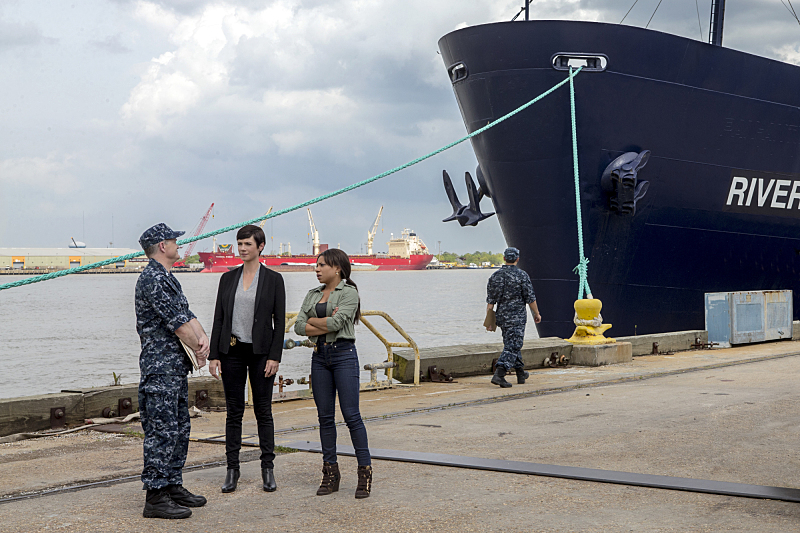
x=406, y=253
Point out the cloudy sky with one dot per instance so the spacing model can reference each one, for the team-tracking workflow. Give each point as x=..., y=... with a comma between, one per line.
x=123, y=113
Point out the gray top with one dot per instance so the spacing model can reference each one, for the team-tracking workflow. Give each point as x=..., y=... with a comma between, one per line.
x=244, y=307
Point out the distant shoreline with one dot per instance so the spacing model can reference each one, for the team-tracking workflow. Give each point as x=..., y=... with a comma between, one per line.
x=137, y=270
x=41, y=271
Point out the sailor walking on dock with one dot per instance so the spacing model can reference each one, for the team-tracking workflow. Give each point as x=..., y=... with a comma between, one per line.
x=163, y=319
x=511, y=289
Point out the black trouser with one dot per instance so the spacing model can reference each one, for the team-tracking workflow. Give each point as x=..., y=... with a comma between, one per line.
x=235, y=366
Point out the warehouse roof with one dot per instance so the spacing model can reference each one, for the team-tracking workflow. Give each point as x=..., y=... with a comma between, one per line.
x=64, y=252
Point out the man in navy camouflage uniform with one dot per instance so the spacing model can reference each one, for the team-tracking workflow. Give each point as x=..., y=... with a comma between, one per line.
x=511, y=289
x=162, y=318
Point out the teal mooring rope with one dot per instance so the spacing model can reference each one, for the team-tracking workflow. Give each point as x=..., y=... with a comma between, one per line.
x=583, y=266
x=58, y=274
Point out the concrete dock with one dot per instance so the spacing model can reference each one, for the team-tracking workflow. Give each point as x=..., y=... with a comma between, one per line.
x=724, y=415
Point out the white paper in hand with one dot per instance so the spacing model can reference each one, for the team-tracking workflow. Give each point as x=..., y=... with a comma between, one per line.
x=191, y=354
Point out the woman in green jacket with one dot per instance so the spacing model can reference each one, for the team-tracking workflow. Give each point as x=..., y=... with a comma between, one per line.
x=328, y=317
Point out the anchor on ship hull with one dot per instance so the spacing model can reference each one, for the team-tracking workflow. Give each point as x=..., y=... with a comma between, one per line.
x=466, y=215
x=620, y=181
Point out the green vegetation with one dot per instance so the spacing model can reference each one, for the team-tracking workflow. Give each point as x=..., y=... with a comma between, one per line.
x=283, y=449
x=193, y=259
x=475, y=257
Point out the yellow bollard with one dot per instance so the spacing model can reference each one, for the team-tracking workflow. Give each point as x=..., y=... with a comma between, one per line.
x=589, y=327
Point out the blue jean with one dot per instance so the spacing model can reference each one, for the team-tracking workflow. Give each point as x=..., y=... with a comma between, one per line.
x=334, y=367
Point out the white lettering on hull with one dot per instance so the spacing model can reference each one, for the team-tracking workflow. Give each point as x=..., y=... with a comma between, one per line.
x=738, y=186
x=743, y=191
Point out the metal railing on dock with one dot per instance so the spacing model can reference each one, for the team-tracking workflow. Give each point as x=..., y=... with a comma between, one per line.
x=373, y=384
x=389, y=365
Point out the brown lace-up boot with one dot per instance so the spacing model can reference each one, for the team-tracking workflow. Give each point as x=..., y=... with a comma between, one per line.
x=330, y=479
x=364, y=481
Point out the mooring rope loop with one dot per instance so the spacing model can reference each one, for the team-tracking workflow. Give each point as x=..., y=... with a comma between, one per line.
x=73, y=270
x=582, y=270
x=583, y=265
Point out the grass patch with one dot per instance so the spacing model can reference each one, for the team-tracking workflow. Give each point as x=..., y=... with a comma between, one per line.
x=284, y=449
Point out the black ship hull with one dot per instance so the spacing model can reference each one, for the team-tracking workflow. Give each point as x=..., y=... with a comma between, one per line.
x=723, y=128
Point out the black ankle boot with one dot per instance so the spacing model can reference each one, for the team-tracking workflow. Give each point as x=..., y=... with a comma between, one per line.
x=522, y=375
x=231, y=480
x=269, y=480
x=181, y=496
x=499, y=377
x=330, y=479
x=158, y=504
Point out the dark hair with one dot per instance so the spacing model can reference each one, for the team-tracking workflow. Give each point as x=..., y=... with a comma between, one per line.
x=252, y=231
x=337, y=258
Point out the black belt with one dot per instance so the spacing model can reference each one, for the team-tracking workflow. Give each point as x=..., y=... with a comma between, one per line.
x=235, y=341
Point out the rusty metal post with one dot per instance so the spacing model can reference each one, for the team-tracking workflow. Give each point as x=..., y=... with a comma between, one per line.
x=390, y=345
x=58, y=418
x=291, y=318
x=373, y=368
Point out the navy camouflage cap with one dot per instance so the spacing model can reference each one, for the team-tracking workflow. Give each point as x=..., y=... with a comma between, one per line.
x=156, y=234
x=511, y=254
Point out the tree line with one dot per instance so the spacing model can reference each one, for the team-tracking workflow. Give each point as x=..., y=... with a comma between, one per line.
x=475, y=257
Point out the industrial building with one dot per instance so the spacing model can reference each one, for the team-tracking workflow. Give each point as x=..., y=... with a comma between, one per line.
x=58, y=258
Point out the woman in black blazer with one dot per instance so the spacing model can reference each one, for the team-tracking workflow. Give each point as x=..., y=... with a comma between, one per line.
x=247, y=336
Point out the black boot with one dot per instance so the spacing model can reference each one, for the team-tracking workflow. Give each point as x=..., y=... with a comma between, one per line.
x=499, y=377
x=231, y=480
x=159, y=505
x=183, y=497
x=269, y=480
x=364, y=481
x=330, y=479
x=522, y=375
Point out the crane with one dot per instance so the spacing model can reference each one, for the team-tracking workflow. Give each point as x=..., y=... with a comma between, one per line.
x=314, y=232
x=263, y=221
x=197, y=231
x=371, y=234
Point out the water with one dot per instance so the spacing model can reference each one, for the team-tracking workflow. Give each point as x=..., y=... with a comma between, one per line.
x=73, y=332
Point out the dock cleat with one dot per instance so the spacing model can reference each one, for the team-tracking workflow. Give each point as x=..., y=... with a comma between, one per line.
x=589, y=327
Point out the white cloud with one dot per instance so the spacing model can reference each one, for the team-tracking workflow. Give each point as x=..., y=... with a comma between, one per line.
x=51, y=173
x=342, y=51
x=255, y=103
x=112, y=44
x=789, y=53
x=15, y=35
x=163, y=93
x=155, y=15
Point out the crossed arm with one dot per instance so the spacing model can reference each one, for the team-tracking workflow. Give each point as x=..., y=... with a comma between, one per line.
x=318, y=326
